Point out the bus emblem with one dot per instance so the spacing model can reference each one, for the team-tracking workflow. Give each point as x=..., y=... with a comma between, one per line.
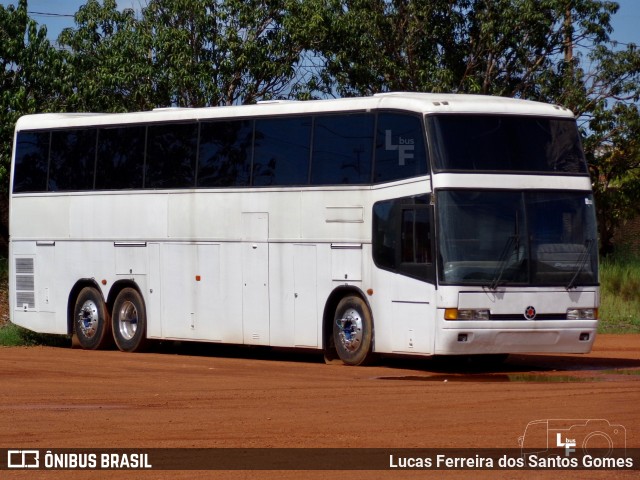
x=530, y=313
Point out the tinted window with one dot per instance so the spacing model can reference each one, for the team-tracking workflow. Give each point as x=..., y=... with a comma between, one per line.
x=400, y=150
x=225, y=153
x=72, y=160
x=402, y=237
x=415, y=236
x=496, y=238
x=120, y=158
x=507, y=143
x=281, y=151
x=31, y=160
x=342, y=149
x=171, y=156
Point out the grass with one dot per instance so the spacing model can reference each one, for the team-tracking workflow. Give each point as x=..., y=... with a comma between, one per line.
x=619, y=304
x=14, y=336
x=620, y=294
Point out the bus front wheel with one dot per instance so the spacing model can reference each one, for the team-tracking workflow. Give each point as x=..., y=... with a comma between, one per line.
x=353, y=331
x=91, y=320
x=129, y=321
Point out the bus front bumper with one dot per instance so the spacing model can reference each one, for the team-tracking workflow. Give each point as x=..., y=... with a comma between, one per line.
x=487, y=337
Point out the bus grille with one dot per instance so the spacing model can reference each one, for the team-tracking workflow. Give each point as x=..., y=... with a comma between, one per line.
x=542, y=316
x=25, y=284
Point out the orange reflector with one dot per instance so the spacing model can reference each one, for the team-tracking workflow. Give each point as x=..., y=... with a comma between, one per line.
x=370, y=291
x=104, y=282
x=450, y=313
x=197, y=278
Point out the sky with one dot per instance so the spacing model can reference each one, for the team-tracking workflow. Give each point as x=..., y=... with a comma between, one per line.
x=58, y=14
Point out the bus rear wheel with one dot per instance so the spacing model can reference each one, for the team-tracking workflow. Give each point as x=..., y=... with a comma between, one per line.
x=130, y=321
x=91, y=320
x=353, y=331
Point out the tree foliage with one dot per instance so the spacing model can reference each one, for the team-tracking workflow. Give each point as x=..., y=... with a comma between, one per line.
x=30, y=71
x=187, y=53
x=515, y=48
x=108, y=68
x=194, y=53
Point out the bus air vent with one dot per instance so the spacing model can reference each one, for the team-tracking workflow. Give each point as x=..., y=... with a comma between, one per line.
x=25, y=284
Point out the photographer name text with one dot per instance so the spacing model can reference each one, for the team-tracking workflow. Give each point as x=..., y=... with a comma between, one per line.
x=507, y=462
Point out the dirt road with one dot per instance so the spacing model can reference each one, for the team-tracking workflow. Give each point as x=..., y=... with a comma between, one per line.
x=210, y=396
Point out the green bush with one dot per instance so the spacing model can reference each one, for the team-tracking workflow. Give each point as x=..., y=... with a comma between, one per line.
x=13, y=336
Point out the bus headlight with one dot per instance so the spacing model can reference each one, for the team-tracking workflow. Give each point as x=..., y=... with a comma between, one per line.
x=466, y=314
x=582, y=314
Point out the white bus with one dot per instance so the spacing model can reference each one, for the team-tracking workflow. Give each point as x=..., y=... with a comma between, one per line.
x=424, y=224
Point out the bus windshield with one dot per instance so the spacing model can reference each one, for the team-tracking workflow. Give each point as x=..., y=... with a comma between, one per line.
x=493, y=238
x=507, y=144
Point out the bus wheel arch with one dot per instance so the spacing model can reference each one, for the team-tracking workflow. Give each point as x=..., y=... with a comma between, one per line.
x=348, y=328
x=88, y=316
x=129, y=316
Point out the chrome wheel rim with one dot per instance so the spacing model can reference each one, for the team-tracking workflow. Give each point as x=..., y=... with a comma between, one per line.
x=350, y=329
x=88, y=319
x=128, y=320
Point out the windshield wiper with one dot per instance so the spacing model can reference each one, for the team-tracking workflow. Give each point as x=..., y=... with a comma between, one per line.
x=582, y=261
x=505, y=255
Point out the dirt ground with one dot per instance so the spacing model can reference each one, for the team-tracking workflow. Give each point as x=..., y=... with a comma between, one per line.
x=207, y=396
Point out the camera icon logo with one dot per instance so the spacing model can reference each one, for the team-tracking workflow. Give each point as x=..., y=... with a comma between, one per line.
x=590, y=436
x=23, y=458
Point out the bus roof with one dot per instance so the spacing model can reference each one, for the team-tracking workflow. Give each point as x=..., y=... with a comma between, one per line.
x=423, y=103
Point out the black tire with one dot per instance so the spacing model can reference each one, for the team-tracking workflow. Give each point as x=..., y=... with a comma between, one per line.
x=353, y=331
x=129, y=321
x=91, y=320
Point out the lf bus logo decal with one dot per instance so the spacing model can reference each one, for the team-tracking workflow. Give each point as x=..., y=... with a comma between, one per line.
x=569, y=444
x=23, y=459
x=530, y=313
x=405, y=147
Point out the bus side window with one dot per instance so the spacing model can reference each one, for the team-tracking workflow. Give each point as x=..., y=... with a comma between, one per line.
x=342, y=149
x=72, y=160
x=31, y=162
x=415, y=236
x=384, y=238
x=225, y=153
x=171, y=155
x=400, y=149
x=402, y=237
x=120, y=158
x=281, y=151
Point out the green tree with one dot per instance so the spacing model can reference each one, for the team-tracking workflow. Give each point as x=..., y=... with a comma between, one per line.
x=371, y=46
x=108, y=59
x=222, y=52
x=30, y=76
x=518, y=48
x=613, y=152
x=186, y=53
